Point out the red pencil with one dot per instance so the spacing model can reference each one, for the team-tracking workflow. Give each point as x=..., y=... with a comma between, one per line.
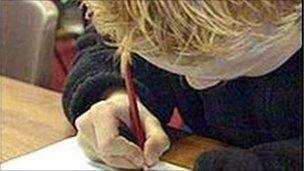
x=133, y=108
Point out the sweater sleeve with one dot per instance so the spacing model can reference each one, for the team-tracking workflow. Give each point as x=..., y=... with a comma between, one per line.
x=93, y=75
x=97, y=72
x=280, y=155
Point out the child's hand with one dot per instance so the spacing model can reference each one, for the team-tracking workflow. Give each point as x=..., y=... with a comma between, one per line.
x=98, y=134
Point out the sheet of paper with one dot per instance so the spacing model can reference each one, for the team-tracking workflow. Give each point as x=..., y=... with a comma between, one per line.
x=65, y=155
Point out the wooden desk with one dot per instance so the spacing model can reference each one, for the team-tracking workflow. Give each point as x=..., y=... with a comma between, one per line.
x=32, y=118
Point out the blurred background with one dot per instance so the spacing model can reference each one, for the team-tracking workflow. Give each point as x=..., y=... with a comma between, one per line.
x=38, y=40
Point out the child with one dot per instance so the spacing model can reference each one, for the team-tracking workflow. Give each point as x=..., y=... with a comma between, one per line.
x=233, y=69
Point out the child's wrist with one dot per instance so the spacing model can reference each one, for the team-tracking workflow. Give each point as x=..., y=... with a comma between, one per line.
x=118, y=94
x=118, y=97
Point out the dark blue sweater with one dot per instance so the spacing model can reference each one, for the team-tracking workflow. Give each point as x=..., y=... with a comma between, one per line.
x=251, y=113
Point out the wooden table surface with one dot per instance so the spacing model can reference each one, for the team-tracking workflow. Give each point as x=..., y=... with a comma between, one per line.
x=32, y=118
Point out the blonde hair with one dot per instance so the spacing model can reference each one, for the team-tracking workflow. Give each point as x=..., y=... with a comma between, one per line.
x=191, y=31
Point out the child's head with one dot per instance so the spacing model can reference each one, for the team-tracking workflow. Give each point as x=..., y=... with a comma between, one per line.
x=195, y=32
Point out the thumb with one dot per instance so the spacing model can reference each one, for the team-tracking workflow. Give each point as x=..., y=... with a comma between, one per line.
x=157, y=141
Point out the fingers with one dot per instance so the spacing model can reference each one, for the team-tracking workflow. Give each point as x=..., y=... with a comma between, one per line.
x=112, y=146
x=88, y=147
x=98, y=134
x=105, y=125
x=119, y=162
x=130, y=154
x=157, y=141
x=86, y=137
x=85, y=127
x=155, y=146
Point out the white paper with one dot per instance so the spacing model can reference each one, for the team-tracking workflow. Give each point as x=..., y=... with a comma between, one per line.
x=65, y=155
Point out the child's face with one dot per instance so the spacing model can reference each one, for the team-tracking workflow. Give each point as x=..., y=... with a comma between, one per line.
x=257, y=61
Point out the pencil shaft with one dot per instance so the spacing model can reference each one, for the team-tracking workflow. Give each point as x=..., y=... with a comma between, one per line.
x=133, y=108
